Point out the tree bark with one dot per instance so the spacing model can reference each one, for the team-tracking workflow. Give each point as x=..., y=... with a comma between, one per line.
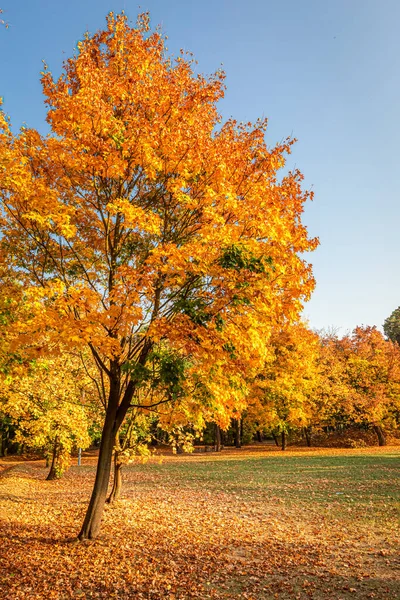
x=238, y=443
x=307, y=434
x=217, y=438
x=53, y=469
x=91, y=524
x=275, y=439
x=115, y=415
x=259, y=436
x=223, y=438
x=117, y=483
x=283, y=440
x=381, y=436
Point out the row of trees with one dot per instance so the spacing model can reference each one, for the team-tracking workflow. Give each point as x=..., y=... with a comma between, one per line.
x=316, y=382
x=309, y=383
x=151, y=262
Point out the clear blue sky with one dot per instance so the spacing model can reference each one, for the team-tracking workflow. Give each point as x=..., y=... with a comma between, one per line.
x=327, y=72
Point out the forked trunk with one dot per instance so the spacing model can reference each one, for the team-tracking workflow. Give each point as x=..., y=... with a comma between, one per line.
x=381, y=436
x=115, y=414
x=117, y=483
x=283, y=440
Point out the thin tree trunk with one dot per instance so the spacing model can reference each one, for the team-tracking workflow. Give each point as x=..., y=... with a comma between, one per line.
x=283, y=440
x=53, y=472
x=307, y=433
x=117, y=483
x=21, y=449
x=381, y=436
x=238, y=443
x=259, y=436
x=275, y=439
x=217, y=438
x=223, y=437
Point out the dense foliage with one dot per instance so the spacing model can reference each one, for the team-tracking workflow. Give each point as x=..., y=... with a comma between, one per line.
x=143, y=222
x=152, y=275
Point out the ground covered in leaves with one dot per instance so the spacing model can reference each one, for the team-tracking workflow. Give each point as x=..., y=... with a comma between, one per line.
x=249, y=524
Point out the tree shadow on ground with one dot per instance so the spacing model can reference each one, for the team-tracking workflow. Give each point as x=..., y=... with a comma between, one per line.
x=136, y=565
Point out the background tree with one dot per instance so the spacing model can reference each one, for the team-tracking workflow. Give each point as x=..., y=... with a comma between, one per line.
x=143, y=220
x=50, y=404
x=7, y=434
x=332, y=399
x=373, y=377
x=282, y=396
x=391, y=326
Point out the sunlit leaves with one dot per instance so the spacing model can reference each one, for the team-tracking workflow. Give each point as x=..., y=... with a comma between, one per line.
x=142, y=221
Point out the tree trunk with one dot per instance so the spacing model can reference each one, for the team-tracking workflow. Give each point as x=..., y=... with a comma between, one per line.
x=381, y=436
x=238, y=443
x=3, y=443
x=283, y=440
x=259, y=436
x=117, y=483
x=275, y=439
x=223, y=437
x=21, y=449
x=91, y=524
x=307, y=433
x=217, y=438
x=115, y=415
x=53, y=470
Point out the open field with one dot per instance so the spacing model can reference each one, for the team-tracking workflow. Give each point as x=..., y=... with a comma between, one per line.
x=252, y=524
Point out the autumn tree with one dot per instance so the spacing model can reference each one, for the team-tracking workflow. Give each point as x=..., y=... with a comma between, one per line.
x=332, y=397
x=283, y=393
x=53, y=406
x=373, y=376
x=143, y=220
x=391, y=326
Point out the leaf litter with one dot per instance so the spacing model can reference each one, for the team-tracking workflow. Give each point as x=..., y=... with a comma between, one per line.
x=251, y=526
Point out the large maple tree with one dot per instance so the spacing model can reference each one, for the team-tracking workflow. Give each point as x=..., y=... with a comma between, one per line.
x=142, y=221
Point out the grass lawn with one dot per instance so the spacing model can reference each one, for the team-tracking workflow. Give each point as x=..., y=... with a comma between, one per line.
x=251, y=523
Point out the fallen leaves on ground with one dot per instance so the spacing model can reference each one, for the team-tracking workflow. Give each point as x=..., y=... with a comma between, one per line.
x=244, y=526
